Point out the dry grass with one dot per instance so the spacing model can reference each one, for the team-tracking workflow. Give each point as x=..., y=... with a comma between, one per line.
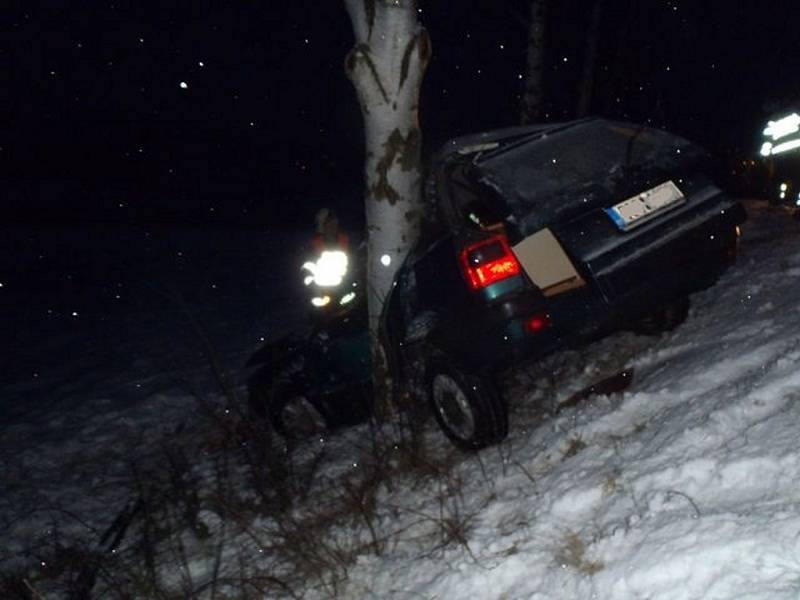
x=610, y=485
x=228, y=510
x=575, y=445
x=572, y=553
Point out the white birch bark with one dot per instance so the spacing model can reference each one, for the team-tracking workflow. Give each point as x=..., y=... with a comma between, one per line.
x=534, y=64
x=386, y=66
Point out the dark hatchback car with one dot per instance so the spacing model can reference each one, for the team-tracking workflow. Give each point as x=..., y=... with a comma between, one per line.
x=545, y=237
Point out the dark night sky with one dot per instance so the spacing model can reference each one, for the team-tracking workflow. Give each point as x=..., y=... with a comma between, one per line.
x=98, y=127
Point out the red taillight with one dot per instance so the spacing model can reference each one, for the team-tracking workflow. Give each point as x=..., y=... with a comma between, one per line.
x=488, y=262
x=536, y=323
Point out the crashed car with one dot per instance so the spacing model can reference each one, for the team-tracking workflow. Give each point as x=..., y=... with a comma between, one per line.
x=316, y=380
x=545, y=237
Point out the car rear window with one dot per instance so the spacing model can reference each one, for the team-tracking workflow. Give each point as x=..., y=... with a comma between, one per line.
x=542, y=177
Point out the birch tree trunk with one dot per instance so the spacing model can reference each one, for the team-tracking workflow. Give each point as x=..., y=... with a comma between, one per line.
x=534, y=70
x=386, y=65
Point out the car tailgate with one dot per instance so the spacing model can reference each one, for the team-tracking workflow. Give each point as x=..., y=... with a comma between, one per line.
x=690, y=240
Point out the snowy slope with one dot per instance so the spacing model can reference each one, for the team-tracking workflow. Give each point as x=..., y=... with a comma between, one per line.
x=687, y=485
x=103, y=351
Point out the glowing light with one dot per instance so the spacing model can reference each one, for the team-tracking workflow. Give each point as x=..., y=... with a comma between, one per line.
x=783, y=195
x=329, y=270
x=537, y=323
x=386, y=260
x=321, y=301
x=784, y=187
x=783, y=127
x=488, y=262
x=785, y=147
x=184, y=85
x=766, y=149
x=308, y=280
x=347, y=298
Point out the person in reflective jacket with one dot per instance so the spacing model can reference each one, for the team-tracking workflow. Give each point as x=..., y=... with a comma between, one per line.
x=329, y=268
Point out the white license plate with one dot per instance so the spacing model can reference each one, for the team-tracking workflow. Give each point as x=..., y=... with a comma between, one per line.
x=642, y=207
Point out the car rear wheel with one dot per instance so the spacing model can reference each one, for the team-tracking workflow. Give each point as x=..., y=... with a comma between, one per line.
x=292, y=414
x=467, y=407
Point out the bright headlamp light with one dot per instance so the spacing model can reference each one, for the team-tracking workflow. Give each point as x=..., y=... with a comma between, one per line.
x=781, y=135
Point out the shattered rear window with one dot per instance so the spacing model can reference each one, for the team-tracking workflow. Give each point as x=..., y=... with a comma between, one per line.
x=544, y=177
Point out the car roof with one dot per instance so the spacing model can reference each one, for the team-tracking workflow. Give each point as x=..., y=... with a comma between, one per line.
x=543, y=171
x=487, y=140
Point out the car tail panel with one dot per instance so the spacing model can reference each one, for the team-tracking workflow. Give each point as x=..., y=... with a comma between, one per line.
x=690, y=242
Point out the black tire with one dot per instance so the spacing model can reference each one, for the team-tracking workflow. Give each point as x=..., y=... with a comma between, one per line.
x=467, y=407
x=291, y=412
x=664, y=319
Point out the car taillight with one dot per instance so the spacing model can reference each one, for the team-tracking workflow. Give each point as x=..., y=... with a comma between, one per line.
x=537, y=323
x=489, y=261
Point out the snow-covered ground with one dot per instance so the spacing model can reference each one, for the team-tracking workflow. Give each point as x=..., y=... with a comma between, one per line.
x=104, y=349
x=685, y=486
